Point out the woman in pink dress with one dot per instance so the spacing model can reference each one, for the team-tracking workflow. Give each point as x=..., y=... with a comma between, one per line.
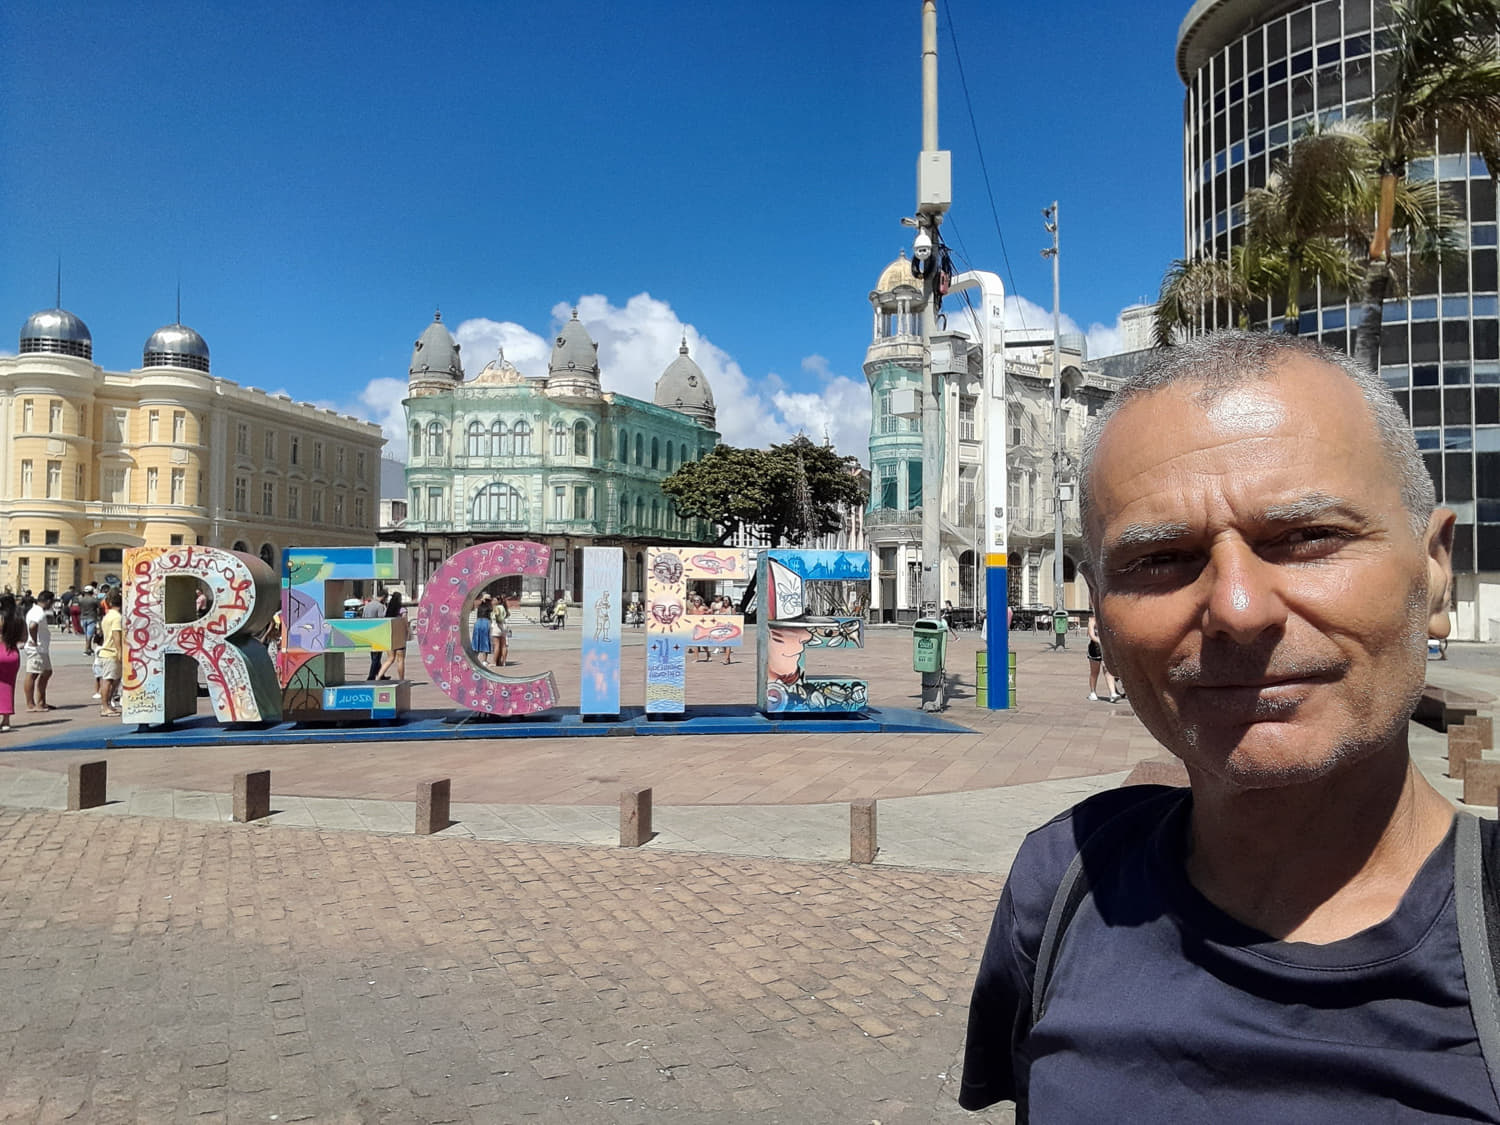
x=12, y=637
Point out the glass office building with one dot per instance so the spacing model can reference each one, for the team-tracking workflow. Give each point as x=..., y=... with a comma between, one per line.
x=1260, y=73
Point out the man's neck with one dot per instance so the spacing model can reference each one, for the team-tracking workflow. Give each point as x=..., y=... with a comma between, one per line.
x=1320, y=861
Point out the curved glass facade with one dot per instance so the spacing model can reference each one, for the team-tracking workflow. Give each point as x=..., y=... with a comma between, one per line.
x=1301, y=65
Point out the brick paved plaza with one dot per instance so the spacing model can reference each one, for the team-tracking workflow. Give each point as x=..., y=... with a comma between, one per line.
x=172, y=967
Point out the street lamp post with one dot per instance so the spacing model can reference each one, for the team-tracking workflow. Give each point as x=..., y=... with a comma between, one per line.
x=1059, y=597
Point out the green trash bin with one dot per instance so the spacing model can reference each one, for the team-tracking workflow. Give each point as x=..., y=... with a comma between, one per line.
x=1060, y=621
x=929, y=645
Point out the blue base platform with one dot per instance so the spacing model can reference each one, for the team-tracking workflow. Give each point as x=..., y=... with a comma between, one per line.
x=443, y=726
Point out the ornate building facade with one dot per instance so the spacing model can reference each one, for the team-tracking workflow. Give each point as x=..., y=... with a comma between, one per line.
x=557, y=459
x=893, y=367
x=95, y=462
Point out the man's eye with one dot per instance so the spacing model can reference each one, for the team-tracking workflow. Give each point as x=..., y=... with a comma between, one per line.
x=1154, y=566
x=1312, y=541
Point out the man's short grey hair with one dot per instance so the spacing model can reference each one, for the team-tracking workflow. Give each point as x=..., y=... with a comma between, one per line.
x=1224, y=360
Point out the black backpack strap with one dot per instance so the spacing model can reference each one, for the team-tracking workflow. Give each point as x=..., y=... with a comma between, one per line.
x=1475, y=871
x=1101, y=847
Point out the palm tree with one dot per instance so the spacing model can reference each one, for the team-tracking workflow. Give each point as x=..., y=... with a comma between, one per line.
x=1297, y=227
x=1444, y=73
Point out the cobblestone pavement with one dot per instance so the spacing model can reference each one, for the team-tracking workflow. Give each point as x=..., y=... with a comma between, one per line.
x=165, y=971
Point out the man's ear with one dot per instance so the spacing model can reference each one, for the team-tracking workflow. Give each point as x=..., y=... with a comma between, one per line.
x=1439, y=549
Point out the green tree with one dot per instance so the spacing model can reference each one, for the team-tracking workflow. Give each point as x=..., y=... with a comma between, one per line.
x=1442, y=76
x=791, y=492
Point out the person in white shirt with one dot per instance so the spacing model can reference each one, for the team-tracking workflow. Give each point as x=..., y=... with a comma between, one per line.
x=38, y=653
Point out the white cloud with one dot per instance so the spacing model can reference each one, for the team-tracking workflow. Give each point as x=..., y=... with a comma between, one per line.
x=637, y=340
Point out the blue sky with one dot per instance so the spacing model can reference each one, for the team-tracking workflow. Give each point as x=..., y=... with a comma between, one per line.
x=321, y=176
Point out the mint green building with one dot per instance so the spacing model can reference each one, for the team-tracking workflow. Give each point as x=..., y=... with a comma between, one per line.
x=557, y=460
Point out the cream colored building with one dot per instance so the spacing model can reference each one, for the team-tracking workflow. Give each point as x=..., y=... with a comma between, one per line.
x=95, y=462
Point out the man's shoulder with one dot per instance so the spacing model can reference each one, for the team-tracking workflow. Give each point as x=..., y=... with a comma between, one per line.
x=1129, y=814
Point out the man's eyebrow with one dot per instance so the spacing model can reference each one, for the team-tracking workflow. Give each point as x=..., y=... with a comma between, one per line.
x=1312, y=506
x=1137, y=535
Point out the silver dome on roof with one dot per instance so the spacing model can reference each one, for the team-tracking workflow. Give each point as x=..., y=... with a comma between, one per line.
x=684, y=388
x=574, y=351
x=176, y=345
x=58, y=332
x=435, y=354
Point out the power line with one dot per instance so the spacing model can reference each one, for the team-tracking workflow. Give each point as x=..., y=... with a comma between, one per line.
x=983, y=167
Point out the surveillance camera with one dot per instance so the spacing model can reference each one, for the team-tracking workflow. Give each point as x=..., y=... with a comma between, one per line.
x=921, y=247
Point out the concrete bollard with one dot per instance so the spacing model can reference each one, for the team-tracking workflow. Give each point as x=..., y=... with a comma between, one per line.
x=635, y=817
x=432, y=806
x=252, y=795
x=1481, y=782
x=862, y=843
x=1485, y=726
x=1463, y=746
x=86, y=783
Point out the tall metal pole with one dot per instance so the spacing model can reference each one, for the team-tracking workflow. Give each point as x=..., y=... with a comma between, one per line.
x=932, y=469
x=1059, y=596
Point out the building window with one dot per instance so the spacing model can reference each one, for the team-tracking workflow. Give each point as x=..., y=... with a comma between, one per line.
x=670, y=455
x=317, y=506
x=434, y=439
x=179, y=426
x=477, y=446
x=416, y=439
x=913, y=484
x=624, y=447
x=153, y=481
x=359, y=511
x=28, y=415
x=26, y=478
x=51, y=538
x=54, y=480
x=241, y=494
x=23, y=574
x=559, y=503
x=888, y=486
x=318, y=455
x=497, y=503
x=270, y=445
x=966, y=428
x=242, y=439
x=179, y=486
x=153, y=425
x=338, y=509
x=23, y=537
x=202, y=498
x=293, y=503
x=360, y=464
x=499, y=439
x=655, y=453
x=338, y=460
x=559, y=438
x=49, y=574
x=79, y=472
x=521, y=432
x=581, y=505
x=54, y=416
x=640, y=511
x=640, y=444
x=436, y=509
x=116, y=484
x=655, y=513
x=267, y=499
x=175, y=540
x=295, y=448
x=580, y=439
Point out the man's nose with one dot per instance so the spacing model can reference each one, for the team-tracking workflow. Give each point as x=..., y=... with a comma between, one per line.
x=1244, y=599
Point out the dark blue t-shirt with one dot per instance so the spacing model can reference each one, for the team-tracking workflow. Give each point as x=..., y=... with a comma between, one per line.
x=1163, y=1008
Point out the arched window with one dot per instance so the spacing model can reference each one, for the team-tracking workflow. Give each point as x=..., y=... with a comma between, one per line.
x=670, y=452
x=580, y=439
x=655, y=454
x=434, y=439
x=640, y=512
x=638, y=447
x=477, y=447
x=499, y=440
x=624, y=447
x=624, y=510
x=683, y=460
x=268, y=555
x=521, y=433
x=559, y=438
x=497, y=502
x=241, y=545
x=416, y=439
x=655, y=513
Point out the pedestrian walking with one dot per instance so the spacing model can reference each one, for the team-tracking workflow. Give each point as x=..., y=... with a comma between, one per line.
x=88, y=618
x=499, y=631
x=111, y=652
x=479, y=633
x=38, y=653
x=373, y=608
x=12, y=640
x=396, y=658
